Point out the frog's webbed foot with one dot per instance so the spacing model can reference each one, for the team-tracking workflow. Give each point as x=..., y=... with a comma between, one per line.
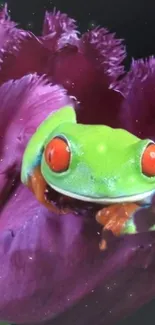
x=38, y=186
x=114, y=218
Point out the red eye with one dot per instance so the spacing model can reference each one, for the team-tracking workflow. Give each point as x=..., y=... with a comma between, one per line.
x=148, y=161
x=57, y=154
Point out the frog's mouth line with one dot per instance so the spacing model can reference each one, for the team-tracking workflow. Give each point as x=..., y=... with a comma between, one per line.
x=143, y=198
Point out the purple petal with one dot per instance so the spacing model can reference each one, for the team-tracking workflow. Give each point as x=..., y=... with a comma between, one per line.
x=10, y=39
x=86, y=67
x=4, y=15
x=138, y=110
x=105, y=51
x=42, y=254
x=87, y=72
x=25, y=103
x=59, y=30
x=18, y=46
x=22, y=47
x=5, y=18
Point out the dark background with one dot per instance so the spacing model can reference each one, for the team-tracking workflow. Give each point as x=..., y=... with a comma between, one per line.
x=132, y=20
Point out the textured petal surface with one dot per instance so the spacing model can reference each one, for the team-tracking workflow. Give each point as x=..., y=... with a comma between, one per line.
x=7, y=28
x=48, y=263
x=138, y=110
x=87, y=67
x=25, y=103
x=87, y=72
x=18, y=46
x=105, y=51
x=59, y=30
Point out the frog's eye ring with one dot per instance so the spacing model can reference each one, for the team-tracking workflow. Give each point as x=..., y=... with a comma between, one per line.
x=148, y=161
x=57, y=154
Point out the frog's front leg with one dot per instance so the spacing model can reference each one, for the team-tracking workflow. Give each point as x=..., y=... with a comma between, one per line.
x=114, y=218
x=37, y=184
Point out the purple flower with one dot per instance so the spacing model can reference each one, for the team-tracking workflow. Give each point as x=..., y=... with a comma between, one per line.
x=138, y=88
x=51, y=266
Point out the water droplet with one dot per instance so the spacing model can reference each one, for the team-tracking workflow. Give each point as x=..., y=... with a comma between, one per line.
x=67, y=82
x=109, y=288
x=1, y=4
x=30, y=25
x=92, y=24
x=30, y=258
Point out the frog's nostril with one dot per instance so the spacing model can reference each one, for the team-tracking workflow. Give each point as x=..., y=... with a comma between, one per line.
x=148, y=160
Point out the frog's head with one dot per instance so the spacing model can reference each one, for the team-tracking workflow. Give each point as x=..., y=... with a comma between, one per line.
x=98, y=163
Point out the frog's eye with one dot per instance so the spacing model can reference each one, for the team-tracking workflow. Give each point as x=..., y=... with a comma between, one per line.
x=57, y=154
x=148, y=160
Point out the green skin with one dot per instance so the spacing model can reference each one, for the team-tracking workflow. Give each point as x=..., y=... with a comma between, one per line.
x=105, y=164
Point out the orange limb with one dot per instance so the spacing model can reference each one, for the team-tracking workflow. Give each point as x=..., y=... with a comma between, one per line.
x=114, y=217
x=37, y=185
